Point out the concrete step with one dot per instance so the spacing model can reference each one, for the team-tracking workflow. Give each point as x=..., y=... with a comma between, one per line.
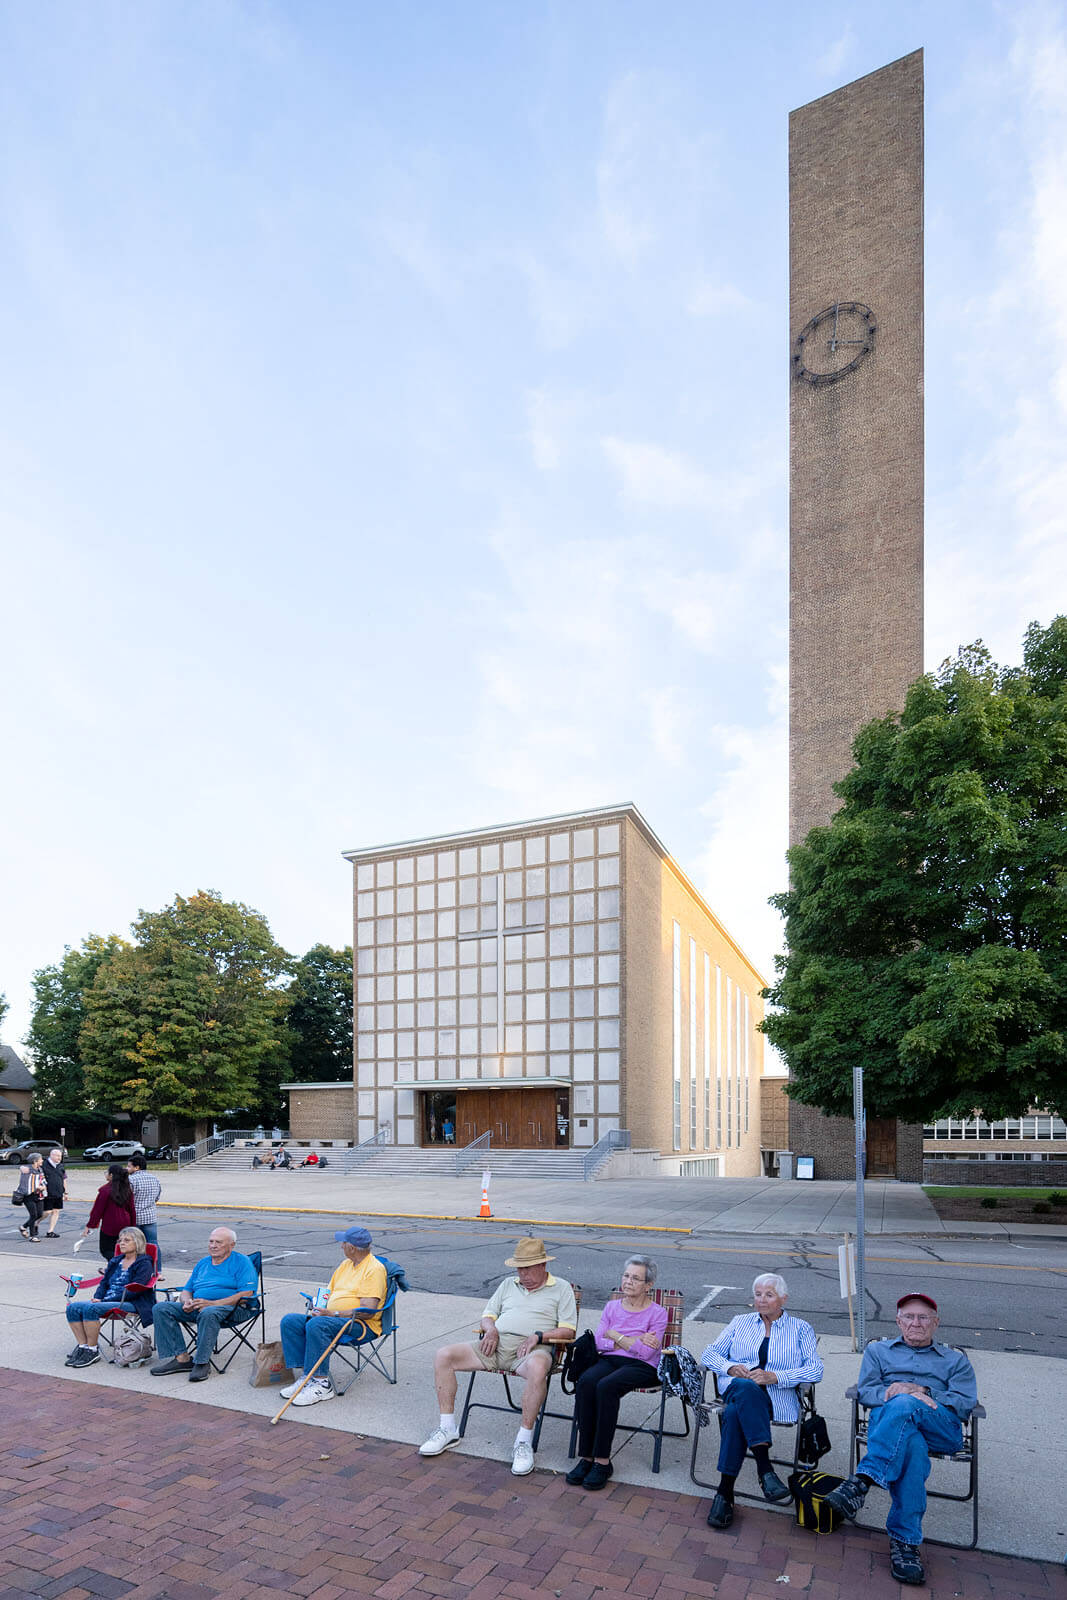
x=388, y=1160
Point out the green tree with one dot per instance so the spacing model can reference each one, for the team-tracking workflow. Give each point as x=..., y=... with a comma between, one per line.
x=3, y=1008
x=927, y=925
x=320, y=1016
x=189, y=1021
x=58, y=1015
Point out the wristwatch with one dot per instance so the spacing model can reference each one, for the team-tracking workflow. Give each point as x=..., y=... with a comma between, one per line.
x=540, y=1337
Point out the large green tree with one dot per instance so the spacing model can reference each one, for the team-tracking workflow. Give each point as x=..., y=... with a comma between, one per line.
x=58, y=1015
x=189, y=1021
x=926, y=927
x=320, y=1016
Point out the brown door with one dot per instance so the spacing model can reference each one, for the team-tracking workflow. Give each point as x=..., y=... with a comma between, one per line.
x=881, y=1147
x=519, y=1119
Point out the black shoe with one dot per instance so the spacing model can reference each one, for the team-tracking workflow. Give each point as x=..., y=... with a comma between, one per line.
x=87, y=1356
x=773, y=1488
x=905, y=1562
x=199, y=1371
x=172, y=1364
x=50, y=1236
x=72, y=1359
x=722, y=1512
x=579, y=1472
x=849, y=1496
x=597, y=1476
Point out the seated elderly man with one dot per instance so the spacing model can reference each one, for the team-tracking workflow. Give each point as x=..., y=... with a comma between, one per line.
x=525, y=1317
x=921, y=1392
x=221, y=1287
x=357, y=1289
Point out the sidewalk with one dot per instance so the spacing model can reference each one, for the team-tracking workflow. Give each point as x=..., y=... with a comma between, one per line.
x=1022, y=1507
x=697, y=1205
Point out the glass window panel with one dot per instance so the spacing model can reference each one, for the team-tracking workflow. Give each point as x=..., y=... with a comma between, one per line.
x=535, y=913
x=446, y=952
x=365, y=905
x=487, y=1008
x=514, y=914
x=365, y=1046
x=386, y=1046
x=366, y=1017
x=583, y=908
x=609, y=969
x=608, y=1002
x=608, y=1063
x=609, y=902
x=583, y=970
x=490, y=861
x=446, y=981
x=386, y=959
x=559, y=1036
x=535, y=975
x=559, y=974
x=405, y=929
x=425, y=1042
x=446, y=864
x=583, y=874
x=559, y=908
x=487, y=950
x=559, y=1004
x=405, y=1045
x=607, y=840
x=584, y=1067
x=489, y=918
x=446, y=924
x=468, y=861
x=385, y=930
x=468, y=919
x=365, y=876
x=425, y=925
x=364, y=988
x=424, y=897
x=559, y=847
x=513, y=853
x=405, y=958
x=583, y=1035
x=386, y=1017
x=513, y=975
x=488, y=1039
x=513, y=947
x=535, y=852
x=535, y=947
x=468, y=1041
x=424, y=956
x=513, y=885
x=405, y=900
x=535, y=881
x=584, y=938
x=488, y=891
x=468, y=1010
x=385, y=873
x=489, y=979
x=609, y=1035
x=535, y=1007
x=386, y=989
x=426, y=868
x=446, y=894
x=446, y=1041
x=384, y=907
x=426, y=1013
x=559, y=879
x=468, y=980
x=583, y=842
x=405, y=870
x=365, y=960
x=559, y=942
x=447, y=1014
x=609, y=936
x=535, y=1037
x=513, y=1008
x=608, y=871
x=405, y=1014
x=468, y=891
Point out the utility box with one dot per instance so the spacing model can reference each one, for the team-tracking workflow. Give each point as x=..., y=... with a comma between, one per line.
x=785, y=1163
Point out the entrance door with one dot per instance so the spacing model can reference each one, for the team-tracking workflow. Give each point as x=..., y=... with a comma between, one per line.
x=881, y=1147
x=518, y=1119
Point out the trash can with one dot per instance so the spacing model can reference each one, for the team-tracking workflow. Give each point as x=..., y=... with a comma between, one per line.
x=785, y=1163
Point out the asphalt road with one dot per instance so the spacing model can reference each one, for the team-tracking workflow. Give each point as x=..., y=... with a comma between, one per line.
x=992, y=1293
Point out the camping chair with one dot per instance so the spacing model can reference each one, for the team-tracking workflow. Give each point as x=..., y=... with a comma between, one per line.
x=372, y=1349
x=127, y=1312
x=674, y=1302
x=714, y=1406
x=232, y=1335
x=558, y=1352
x=966, y=1455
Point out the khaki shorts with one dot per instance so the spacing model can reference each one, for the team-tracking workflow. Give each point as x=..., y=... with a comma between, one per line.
x=505, y=1357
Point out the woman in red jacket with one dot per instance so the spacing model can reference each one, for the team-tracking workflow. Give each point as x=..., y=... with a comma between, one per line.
x=114, y=1209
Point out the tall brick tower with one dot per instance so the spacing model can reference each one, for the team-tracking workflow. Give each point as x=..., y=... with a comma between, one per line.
x=855, y=467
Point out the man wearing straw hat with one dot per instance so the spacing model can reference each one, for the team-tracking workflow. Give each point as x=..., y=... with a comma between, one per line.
x=525, y=1317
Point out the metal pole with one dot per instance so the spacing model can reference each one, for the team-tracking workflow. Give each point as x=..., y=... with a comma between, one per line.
x=861, y=1276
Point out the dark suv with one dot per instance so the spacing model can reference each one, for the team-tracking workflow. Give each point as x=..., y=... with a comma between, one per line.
x=30, y=1147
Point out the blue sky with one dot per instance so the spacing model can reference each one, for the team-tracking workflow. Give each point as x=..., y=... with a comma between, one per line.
x=394, y=426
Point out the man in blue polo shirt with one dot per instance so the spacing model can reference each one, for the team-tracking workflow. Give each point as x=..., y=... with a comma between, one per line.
x=216, y=1286
x=921, y=1393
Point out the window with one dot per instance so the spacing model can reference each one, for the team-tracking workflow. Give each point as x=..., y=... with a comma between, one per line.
x=707, y=1051
x=676, y=1040
x=692, y=1044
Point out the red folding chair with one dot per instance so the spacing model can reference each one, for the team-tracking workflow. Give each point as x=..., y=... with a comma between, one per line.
x=126, y=1309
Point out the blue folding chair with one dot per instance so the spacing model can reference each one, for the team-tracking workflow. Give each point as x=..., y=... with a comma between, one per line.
x=373, y=1349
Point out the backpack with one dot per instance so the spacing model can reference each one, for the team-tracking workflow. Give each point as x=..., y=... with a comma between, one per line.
x=132, y=1348
x=814, y=1440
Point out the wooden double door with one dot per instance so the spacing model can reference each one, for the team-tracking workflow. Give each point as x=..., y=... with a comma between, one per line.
x=518, y=1119
x=881, y=1147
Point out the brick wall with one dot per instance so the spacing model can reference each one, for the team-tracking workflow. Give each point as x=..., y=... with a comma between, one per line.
x=832, y=1142
x=998, y=1174
x=774, y=1114
x=324, y=1112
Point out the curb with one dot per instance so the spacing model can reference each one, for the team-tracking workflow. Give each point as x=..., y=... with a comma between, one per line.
x=424, y=1216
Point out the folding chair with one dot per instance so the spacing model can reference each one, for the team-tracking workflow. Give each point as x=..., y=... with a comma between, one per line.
x=714, y=1407
x=558, y=1352
x=966, y=1455
x=674, y=1302
x=236, y=1333
x=127, y=1309
x=372, y=1349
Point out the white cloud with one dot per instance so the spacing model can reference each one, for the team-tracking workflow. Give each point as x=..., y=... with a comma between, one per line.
x=652, y=475
x=835, y=57
x=710, y=298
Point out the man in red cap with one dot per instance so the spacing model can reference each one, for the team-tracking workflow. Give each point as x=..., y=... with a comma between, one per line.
x=920, y=1393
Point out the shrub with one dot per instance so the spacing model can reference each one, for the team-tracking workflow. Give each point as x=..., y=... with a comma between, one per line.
x=1057, y=1198
x=1043, y=1207
x=989, y=1201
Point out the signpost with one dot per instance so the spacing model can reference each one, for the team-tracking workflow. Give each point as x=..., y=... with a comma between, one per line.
x=846, y=1272
x=861, y=1165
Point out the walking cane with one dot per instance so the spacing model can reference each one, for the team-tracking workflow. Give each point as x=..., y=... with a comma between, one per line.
x=315, y=1368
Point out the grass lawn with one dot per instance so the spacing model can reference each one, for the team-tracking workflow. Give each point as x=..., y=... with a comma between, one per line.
x=971, y=1191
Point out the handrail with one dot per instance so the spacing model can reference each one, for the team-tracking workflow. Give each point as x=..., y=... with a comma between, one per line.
x=467, y=1156
x=366, y=1147
x=617, y=1139
x=218, y=1141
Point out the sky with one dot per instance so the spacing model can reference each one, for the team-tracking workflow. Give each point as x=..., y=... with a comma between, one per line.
x=393, y=427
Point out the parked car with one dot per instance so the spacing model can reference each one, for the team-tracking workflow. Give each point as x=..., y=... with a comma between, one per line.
x=30, y=1147
x=160, y=1152
x=115, y=1150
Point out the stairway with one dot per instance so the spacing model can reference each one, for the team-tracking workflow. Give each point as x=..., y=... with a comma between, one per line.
x=393, y=1161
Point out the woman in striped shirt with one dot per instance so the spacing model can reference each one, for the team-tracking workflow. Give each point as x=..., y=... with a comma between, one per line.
x=759, y=1360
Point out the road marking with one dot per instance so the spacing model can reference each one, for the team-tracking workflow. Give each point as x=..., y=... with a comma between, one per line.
x=283, y=1253
x=708, y=1249
x=716, y=1290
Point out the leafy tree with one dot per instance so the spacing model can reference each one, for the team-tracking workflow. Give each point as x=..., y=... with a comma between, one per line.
x=3, y=1008
x=58, y=1015
x=189, y=1021
x=320, y=1016
x=927, y=925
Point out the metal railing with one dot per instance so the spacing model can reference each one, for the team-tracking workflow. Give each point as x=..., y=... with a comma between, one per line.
x=470, y=1153
x=617, y=1139
x=222, y=1141
x=366, y=1147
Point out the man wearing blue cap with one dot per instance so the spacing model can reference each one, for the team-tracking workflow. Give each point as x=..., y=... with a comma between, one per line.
x=357, y=1288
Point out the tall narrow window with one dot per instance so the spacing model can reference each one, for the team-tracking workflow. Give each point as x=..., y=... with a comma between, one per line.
x=707, y=1051
x=748, y=1031
x=692, y=1044
x=738, y=1052
x=676, y=1065
x=729, y=1062
x=718, y=1057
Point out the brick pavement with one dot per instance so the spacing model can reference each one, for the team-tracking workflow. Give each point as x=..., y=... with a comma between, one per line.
x=123, y=1496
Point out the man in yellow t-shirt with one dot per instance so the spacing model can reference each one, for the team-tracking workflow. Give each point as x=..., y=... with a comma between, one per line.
x=357, y=1289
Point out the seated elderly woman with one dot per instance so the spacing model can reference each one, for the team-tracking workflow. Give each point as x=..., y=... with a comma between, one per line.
x=629, y=1338
x=126, y=1277
x=759, y=1361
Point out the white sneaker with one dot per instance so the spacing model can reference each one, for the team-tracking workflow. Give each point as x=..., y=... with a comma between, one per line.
x=315, y=1391
x=440, y=1440
x=522, y=1459
x=290, y=1389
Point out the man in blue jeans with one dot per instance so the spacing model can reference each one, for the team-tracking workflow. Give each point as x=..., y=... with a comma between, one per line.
x=920, y=1392
x=217, y=1285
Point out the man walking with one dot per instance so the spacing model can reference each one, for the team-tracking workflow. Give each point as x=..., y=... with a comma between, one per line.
x=55, y=1177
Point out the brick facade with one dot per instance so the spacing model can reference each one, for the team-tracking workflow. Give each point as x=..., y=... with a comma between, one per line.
x=998, y=1174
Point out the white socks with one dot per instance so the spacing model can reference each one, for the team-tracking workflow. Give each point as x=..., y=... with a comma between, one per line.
x=524, y=1436
x=448, y=1421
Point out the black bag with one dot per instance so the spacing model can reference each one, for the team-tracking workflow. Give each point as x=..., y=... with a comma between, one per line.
x=809, y=1490
x=580, y=1356
x=814, y=1440
x=16, y=1198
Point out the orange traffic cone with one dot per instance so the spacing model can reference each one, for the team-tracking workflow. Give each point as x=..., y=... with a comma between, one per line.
x=485, y=1211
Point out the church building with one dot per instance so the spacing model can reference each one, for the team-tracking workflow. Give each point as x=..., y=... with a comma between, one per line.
x=550, y=982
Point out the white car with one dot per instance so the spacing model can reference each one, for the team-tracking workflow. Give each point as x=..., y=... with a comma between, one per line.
x=115, y=1150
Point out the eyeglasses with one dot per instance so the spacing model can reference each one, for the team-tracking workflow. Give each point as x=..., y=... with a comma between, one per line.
x=912, y=1316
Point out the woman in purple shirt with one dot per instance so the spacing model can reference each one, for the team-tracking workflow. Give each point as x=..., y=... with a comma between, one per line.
x=629, y=1338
